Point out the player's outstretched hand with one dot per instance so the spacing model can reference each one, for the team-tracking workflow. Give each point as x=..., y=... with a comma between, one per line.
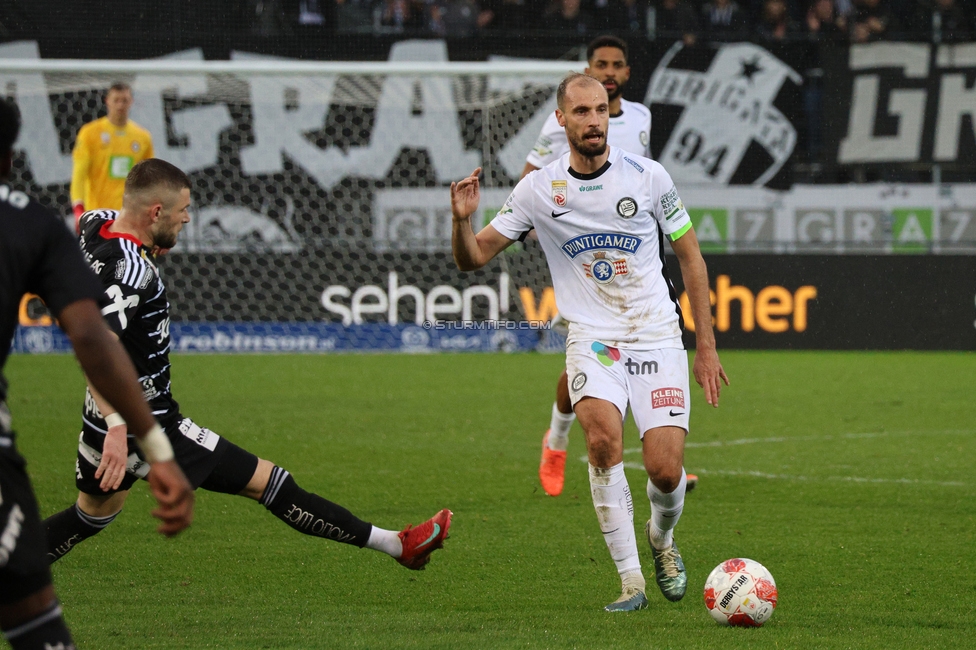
x=710, y=374
x=465, y=196
x=175, y=497
x=115, y=454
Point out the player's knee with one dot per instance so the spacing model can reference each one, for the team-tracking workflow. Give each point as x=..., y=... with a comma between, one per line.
x=665, y=478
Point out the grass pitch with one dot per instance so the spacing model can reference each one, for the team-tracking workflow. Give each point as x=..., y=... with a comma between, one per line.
x=849, y=475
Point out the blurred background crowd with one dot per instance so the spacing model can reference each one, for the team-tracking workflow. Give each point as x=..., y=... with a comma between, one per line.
x=856, y=21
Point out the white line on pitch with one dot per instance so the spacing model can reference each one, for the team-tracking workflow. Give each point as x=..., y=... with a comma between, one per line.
x=842, y=436
x=793, y=477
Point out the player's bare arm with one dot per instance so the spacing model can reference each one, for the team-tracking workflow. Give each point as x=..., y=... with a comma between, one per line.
x=707, y=369
x=472, y=251
x=115, y=451
x=109, y=369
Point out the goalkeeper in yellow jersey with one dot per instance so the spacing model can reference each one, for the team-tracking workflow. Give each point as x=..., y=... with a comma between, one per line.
x=105, y=150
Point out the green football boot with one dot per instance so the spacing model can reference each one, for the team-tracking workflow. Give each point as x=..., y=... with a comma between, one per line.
x=669, y=570
x=631, y=600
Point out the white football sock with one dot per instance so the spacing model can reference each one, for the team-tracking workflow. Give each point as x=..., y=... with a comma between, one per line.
x=615, y=512
x=387, y=541
x=665, y=512
x=559, y=429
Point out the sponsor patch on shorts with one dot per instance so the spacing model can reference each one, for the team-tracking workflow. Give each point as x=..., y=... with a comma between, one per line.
x=203, y=437
x=665, y=397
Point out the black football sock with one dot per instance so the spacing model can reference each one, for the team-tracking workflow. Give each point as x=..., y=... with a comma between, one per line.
x=69, y=527
x=44, y=632
x=311, y=514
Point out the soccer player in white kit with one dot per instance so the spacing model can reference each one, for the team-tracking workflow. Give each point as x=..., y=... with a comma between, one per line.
x=630, y=130
x=601, y=216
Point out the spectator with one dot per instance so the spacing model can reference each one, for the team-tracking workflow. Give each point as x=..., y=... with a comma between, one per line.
x=942, y=21
x=566, y=16
x=724, y=20
x=601, y=14
x=353, y=16
x=507, y=15
x=631, y=15
x=870, y=21
x=677, y=19
x=399, y=15
x=823, y=23
x=455, y=18
x=775, y=24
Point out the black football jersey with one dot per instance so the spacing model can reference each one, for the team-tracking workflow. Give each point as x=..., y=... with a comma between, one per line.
x=39, y=255
x=135, y=307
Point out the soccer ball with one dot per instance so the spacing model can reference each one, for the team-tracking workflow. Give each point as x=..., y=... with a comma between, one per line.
x=741, y=593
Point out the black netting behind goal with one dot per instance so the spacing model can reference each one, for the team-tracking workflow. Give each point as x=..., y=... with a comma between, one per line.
x=306, y=185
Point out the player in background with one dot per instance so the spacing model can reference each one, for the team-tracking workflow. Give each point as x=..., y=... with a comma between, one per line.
x=37, y=253
x=105, y=150
x=630, y=130
x=119, y=246
x=601, y=216
x=630, y=122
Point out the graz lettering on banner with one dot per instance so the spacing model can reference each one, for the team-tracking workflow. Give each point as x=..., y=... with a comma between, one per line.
x=910, y=102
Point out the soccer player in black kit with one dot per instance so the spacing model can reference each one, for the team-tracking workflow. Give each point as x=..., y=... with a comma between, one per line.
x=119, y=247
x=39, y=255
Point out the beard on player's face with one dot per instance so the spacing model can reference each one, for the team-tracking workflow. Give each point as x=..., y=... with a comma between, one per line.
x=165, y=232
x=165, y=239
x=615, y=89
x=588, y=148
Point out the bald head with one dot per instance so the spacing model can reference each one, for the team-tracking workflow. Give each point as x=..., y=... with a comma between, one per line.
x=574, y=82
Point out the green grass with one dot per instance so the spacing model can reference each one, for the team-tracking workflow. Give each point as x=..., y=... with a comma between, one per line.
x=849, y=475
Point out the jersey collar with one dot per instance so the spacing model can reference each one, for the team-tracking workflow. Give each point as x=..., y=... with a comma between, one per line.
x=108, y=234
x=589, y=177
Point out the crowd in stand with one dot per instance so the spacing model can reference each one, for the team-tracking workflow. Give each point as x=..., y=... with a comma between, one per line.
x=854, y=21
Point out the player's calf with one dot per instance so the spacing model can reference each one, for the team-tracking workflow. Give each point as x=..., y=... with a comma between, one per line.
x=311, y=514
x=70, y=527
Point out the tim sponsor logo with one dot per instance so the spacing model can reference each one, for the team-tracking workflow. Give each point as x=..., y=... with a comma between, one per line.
x=642, y=368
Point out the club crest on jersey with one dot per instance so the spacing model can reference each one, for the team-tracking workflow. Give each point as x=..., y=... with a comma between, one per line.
x=626, y=207
x=135, y=146
x=106, y=138
x=601, y=241
x=603, y=270
x=559, y=192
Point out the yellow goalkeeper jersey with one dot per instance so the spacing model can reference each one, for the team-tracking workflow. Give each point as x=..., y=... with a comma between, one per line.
x=103, y=155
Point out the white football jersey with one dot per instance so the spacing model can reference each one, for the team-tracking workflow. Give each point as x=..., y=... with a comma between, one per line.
x=630, y=131
x=603, y=236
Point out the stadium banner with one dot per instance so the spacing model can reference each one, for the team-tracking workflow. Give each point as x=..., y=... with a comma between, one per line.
x=833, y=302
x=903, y=105
x=317, y=338
x=841, y=302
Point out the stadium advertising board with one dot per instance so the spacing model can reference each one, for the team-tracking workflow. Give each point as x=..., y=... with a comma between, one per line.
x=843, y=302
x=847, y=302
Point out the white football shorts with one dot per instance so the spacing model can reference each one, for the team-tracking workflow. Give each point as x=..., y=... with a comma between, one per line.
x=654, y=383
